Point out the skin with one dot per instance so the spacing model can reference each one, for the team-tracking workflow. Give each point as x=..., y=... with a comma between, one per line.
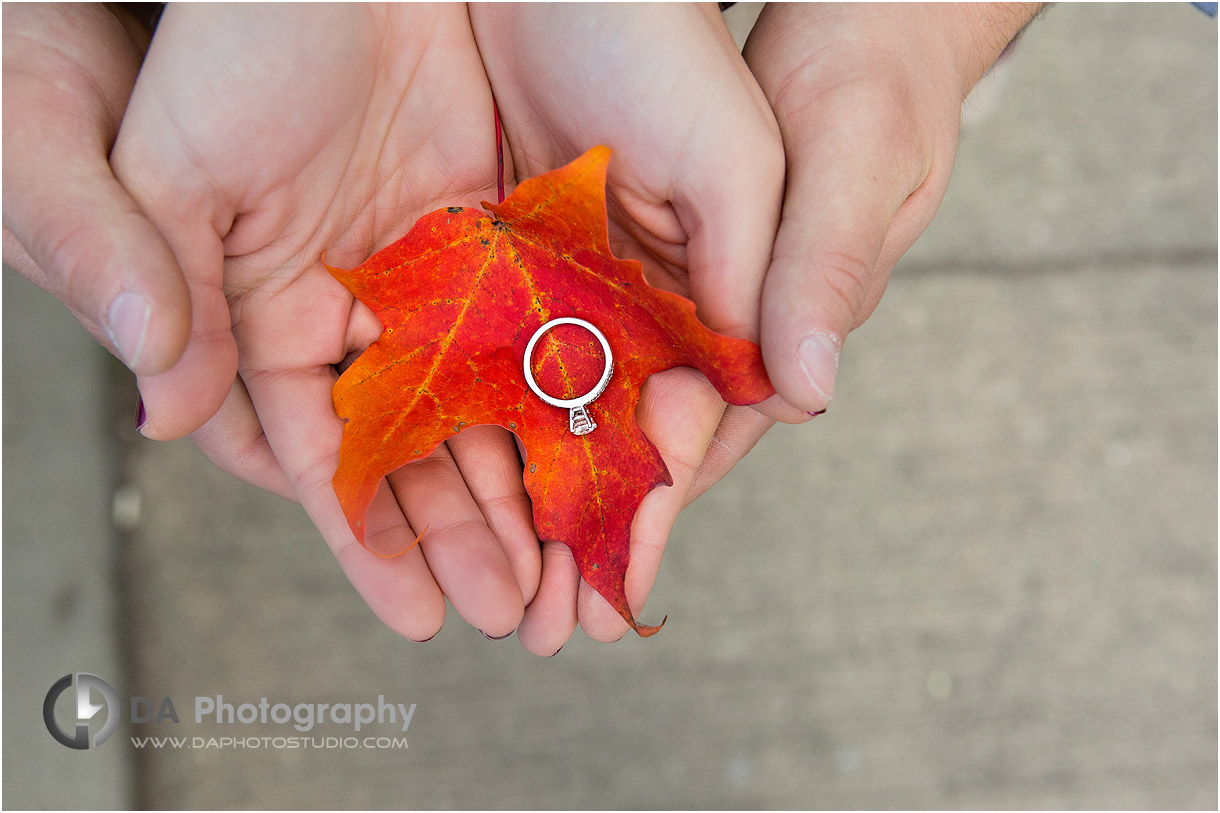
x=69, y=225
x=868, y=99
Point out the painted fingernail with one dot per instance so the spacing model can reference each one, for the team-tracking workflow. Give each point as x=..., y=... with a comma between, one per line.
x=818, y=353
x=424, y=641
x=496, y=637
x=127, y=325
x=821, y=411
x=556, y=652
x=141, y=414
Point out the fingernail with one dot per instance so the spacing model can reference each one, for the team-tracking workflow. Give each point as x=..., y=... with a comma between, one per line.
x=141, y=414
x=556, y=652
x=496, y=637
x=127, y=325
x=424, y=641
x=821, y=411
x=819, y=357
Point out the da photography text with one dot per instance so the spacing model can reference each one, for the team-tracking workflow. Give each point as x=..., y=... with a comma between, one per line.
x=82, y=710
x=302, y=716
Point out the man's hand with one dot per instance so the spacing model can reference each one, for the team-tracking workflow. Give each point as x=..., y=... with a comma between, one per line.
x=868, y=98
x=68, y=224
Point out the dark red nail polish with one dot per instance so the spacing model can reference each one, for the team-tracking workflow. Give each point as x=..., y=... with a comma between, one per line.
x=424, y=641
x=821, y=411
x=556, y=652
x=141, y=415
x=496, y=637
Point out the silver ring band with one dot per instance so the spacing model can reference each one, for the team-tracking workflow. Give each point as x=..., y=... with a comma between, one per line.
x=568, y=403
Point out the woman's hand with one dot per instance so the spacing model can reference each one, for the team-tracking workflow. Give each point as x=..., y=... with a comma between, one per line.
x=257, y=138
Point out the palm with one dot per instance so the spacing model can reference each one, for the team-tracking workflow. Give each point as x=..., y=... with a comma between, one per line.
x=313, y=149
x=566, y=77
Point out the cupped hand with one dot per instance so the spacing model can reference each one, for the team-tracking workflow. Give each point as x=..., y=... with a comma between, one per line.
x=868, y=98
x=260, y=137
x=68, y=224
x=694, y=191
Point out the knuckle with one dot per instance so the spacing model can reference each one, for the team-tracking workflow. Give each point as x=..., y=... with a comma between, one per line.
x=68, y=255
x=843, y=275
x=844, y=279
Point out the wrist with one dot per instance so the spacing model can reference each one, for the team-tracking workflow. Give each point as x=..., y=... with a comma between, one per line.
x=980, y=32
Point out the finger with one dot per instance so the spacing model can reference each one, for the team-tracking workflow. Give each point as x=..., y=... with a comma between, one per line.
x=389, y=571
x=304, y=432
x=462, y=552
x=776, y=408
x=101, y=257
x=679, y=411
x=234, y=440
x=730, y=226
x=854, y=157
x=489, y=464
x=183, y=398
x=728, y=195
x=550, y=619
x=83, y=238
x=185, y=205
x=740, y=428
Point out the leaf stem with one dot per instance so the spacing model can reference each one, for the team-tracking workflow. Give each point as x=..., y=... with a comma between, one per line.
x=495, y=109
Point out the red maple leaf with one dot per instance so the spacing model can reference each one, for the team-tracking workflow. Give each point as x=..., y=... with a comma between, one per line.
x=460, y=297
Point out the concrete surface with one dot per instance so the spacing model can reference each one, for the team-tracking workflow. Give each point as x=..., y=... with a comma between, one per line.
x=62, y=595
x=985, y=579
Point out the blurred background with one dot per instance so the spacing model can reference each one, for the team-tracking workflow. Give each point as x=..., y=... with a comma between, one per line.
x=985, y=579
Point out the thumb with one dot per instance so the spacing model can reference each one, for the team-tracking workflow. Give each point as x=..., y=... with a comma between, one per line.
x=831, y=259
x=84, y=240
x=819, y=286
x=69, y=226
x=184, y=397
x=74, y=230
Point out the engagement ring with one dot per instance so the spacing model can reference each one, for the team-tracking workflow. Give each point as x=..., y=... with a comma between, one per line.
x=579, y=420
